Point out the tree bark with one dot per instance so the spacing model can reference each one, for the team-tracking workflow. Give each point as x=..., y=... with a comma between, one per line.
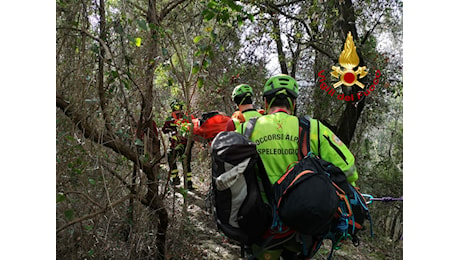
x=91, y=133
x=346, y=125
x=100, y=74
x=279, y=44
x=153, y=148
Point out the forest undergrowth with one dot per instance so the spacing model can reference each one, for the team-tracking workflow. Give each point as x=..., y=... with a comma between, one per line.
x=192, y=232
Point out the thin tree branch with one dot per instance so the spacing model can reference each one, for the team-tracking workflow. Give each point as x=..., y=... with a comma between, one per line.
x=144, y=12
x=300, y=20
x=107, y=51
x=99, y=40
x=92, y=134
x=85, y=196
x=319, y=49
x=169, y=7
x=114, y=173
x=371, y=30
x=290, y=3
x=78, y=220
x=179, y=56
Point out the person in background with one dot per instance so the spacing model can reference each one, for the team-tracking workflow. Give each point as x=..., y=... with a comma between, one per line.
x=178, y=143
x=242, y=96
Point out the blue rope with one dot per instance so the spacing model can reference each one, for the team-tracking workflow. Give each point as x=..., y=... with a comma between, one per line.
x=305, y=252
x=276, y=220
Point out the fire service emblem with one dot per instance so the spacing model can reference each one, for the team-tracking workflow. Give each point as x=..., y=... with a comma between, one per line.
x=349, y=59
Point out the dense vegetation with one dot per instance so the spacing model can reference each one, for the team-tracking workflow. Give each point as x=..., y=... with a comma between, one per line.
x=119, y=64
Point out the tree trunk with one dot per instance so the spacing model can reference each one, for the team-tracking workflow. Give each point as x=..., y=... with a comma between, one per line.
x=101, y=87
x=153, y=148
x=279, y=44
x=346, y=125
x=349, y=119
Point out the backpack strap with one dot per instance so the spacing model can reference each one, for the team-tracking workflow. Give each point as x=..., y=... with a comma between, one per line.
x=266, y=184
x=319, y=143
x=250, y=126
x=304, y=136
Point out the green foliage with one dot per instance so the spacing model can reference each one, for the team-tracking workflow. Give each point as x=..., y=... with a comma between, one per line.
x=198, y=58
x=226, y=12
x=60, y=197
x=91, y=181
x=69, y=214
x=142, y=24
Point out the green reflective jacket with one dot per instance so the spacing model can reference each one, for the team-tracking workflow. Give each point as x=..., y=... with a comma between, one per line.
x=277, y=136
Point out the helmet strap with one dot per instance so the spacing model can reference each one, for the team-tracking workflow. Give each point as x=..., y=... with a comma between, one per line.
x=270, y=104
x=244, y=98
x=291, y=105
x=283, y=93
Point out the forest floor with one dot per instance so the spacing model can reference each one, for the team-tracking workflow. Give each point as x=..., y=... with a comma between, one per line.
x=198, y=237
x=194, y=235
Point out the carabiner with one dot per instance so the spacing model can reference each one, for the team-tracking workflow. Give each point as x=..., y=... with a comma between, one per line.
x=369, y=198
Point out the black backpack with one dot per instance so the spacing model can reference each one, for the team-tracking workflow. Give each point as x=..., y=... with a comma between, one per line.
x=305, y=198
x=314, y=198
x=240, y=211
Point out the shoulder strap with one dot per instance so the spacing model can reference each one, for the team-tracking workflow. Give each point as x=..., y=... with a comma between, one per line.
x=319, y=138
x=262, y=173
x=250, y=126
x=304, y=136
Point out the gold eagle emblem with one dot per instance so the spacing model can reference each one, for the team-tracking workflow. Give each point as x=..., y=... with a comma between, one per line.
x=349, y=59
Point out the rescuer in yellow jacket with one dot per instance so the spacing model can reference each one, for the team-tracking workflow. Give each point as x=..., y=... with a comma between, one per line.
x=277, y=138
x=242, y=96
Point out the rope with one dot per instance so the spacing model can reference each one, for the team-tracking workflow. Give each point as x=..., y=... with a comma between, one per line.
x=383, y=199
x=371, y=198
x=388, y=199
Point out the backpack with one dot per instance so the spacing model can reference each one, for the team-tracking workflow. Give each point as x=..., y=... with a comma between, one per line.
x=305, y=198
x=239, y=210
x=314, y=198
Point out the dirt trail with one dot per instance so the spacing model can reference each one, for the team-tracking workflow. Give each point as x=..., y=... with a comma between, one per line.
x=206, y=238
